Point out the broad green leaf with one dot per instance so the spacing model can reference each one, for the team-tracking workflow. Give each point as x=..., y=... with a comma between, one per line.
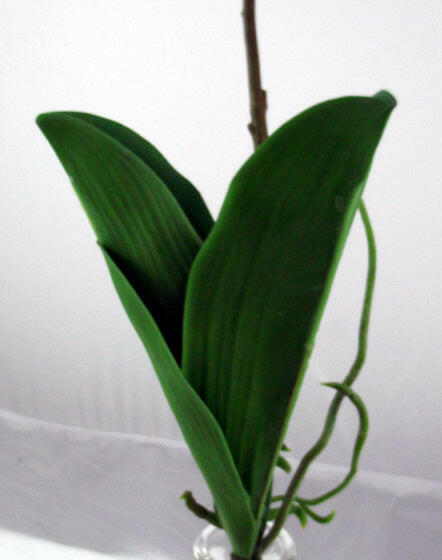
x=200, y=430
x=185, y=193
x=259, y=285
x=133, y=214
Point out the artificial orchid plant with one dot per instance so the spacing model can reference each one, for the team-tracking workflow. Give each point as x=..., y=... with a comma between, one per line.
x=228, y=310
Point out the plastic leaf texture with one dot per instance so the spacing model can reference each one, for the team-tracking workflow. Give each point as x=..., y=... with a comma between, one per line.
x=258, y=287
x=185, y=193
x=149, y=245
x=135, y=215
x=200, y=430
x=228, y=312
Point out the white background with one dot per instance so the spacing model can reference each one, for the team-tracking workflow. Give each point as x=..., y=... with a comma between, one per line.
x=175, y=72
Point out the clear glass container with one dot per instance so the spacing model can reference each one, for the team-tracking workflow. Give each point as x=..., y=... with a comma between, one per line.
x=212, y=544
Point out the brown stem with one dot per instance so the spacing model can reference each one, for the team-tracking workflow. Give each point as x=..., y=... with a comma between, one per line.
x=258, y=107
x=258, y=98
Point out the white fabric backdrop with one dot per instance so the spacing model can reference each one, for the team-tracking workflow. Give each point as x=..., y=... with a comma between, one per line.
x=175, y=72
x=76, y=494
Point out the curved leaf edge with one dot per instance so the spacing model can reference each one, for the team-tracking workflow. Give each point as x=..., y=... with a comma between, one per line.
x=185, y=193
x=389, y=101
x=86, y=130
x=231, y=499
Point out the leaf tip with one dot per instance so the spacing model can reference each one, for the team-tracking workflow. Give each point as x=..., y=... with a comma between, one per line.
x=50, y=120
x=42, y=119
x=386, y=97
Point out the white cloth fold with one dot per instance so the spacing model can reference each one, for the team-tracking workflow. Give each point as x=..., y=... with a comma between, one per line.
x=70, y=493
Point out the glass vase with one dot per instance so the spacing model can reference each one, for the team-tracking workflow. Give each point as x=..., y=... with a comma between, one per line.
x=212, y=544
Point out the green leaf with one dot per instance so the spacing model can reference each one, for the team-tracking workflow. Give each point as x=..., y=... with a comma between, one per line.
x=133, y=214
x=259, y=285
x=200, y=430
x=185, y=193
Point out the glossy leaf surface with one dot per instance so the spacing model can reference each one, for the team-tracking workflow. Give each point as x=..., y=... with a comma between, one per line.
x=133, y=214
x=258, y=287
x=200, y=430
x=185, y=193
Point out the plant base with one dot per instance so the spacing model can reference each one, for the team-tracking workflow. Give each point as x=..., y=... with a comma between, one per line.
x=212, y=544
